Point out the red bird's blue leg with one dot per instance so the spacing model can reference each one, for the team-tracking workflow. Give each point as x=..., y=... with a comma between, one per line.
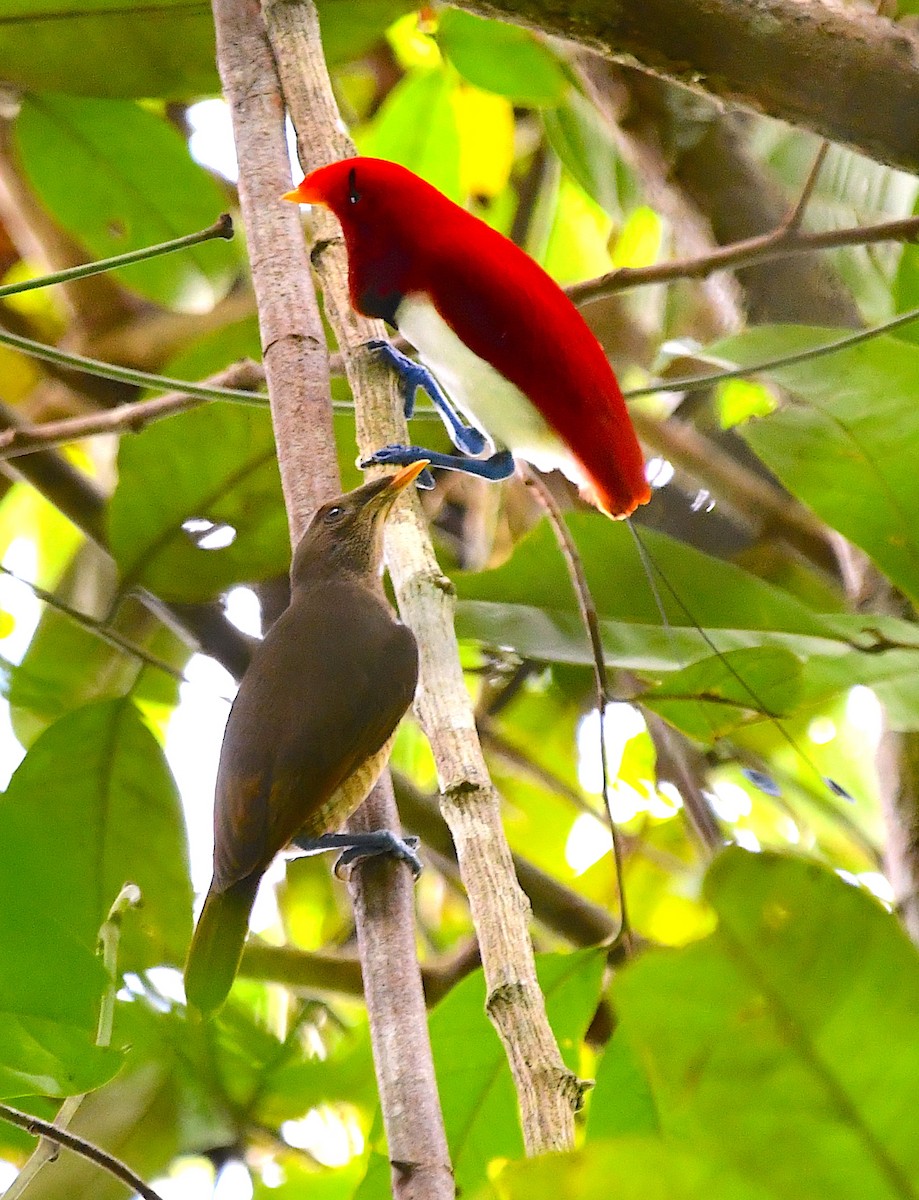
x=415, y=375
x=357, y=846
x=499, y=466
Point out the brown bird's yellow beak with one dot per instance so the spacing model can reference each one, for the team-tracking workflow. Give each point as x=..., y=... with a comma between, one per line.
x=303, y=194
x=400, y=481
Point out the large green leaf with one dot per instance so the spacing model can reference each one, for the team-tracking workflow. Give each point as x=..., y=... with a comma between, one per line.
x=717, y=594
x=118, y=178
x=214, y=465
x=51, y=981
x=582, y=140
x=50, y=988
x=848, y=450
x=633, y=1168
x=92, y=806
x=477, y=1095
x=527, y=604
x=786, y=1045
x=622, y=1101
x=501, y=58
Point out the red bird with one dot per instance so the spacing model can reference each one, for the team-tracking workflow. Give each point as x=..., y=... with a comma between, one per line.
x=505, y=343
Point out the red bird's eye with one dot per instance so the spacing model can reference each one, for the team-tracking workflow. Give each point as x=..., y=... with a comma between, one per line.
x=353, y=194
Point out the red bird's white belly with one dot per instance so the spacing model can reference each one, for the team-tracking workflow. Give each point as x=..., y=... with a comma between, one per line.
x=489, y=401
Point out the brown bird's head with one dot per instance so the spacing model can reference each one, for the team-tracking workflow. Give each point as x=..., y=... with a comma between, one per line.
x=346, y=534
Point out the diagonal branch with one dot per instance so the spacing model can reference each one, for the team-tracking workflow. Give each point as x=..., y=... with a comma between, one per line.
x=81, y=1146
x=782, y=242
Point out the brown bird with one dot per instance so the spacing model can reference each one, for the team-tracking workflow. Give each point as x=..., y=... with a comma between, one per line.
x=312, y=724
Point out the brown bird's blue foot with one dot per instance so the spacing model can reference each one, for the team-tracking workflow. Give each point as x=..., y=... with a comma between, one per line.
x=414, y=376
x=356, y=847
x=499, y=466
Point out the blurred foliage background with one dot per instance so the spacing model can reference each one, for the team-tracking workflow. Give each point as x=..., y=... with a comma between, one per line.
x=766, y=1042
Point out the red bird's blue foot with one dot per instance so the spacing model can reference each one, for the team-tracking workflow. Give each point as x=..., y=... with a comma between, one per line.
x=355, y=847
x=499, y=466
x=415, y=376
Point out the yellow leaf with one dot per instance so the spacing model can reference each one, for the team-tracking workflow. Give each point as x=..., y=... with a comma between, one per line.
x=486, y=129
x=639, y=240
x=411, y=45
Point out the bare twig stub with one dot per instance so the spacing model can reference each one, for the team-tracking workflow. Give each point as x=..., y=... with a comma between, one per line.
x=297, y=369
x=547, y=1091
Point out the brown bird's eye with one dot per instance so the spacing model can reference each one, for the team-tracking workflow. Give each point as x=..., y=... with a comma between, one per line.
x=353, y=194
x=333, y=514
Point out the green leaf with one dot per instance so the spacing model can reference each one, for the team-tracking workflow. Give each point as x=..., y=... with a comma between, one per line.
x=582, y=140
x=92, y=806
x=477, y=1095
x=417, y=127
x=622, y=1101
x=50, y=988
x=501, y=58
x=718, y=594
x=849, y=450
x=118, y=178
x=631, y=1168
x=528, y=603
x=215, y=465
x=776, y=1032
x=723, y=692
x=108, y=48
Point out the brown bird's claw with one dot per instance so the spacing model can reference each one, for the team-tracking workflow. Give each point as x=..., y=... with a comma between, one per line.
x=356, y=847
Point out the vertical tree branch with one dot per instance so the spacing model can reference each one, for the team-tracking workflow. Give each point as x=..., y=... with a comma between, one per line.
x=297, y=369
x=547, y=1091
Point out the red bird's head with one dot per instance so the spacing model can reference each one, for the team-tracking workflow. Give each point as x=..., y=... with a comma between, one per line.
x=380, y=207
x=365, y=192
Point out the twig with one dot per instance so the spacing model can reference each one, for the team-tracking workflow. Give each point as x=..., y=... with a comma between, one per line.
x=778, y=243
x=548, y=1092
x=92, y=366
x=100, y=628
x=222, y=228
x=793, y=221
x=296, y=365
x=588, y=612
x=695, y=383
x=109, y=936
x=108, y=1162
x=241, y=376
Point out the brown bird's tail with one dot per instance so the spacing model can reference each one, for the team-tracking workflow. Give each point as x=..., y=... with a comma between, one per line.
x=217, y=946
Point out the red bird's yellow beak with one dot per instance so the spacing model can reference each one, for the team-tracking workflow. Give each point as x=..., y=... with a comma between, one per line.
x=304, y=193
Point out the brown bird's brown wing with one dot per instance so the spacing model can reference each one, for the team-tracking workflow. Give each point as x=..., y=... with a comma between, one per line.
x=324, y=692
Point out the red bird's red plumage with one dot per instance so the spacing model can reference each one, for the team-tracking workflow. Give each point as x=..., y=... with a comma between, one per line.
x=404, y=238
